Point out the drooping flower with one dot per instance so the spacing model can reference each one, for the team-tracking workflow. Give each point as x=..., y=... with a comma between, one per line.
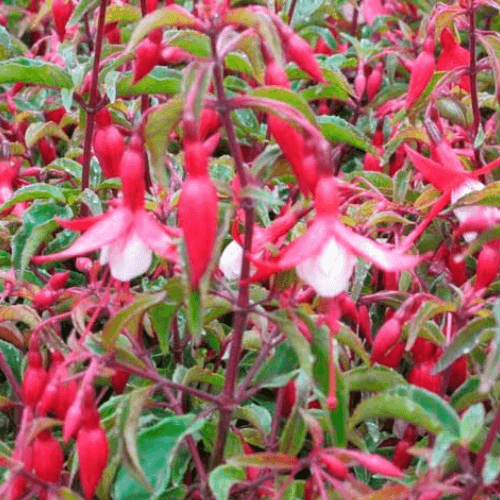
x=127, y=234
x=422, y=71
x=325, y=255
x=453, y=56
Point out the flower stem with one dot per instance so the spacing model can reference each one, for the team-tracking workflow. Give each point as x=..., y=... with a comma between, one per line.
x=242, y=302
x=93, y=100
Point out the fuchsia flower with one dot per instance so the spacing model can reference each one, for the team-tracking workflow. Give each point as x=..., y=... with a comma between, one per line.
x=453, y=56
x=127, y=235
x=324, y=256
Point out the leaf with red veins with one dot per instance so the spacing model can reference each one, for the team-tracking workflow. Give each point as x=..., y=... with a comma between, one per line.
x=388, y=260
x=155, y=235
x=113, y=226
x=442, y=177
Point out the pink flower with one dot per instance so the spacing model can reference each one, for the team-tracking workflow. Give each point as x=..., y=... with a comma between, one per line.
x=127, y=235
x=324, y=256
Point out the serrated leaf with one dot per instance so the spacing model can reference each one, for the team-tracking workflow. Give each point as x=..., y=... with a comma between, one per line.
x=35, y=71
x=372, y=378
x=338, y=130
x=128, y=314
x=466, y=339
x=222, y=479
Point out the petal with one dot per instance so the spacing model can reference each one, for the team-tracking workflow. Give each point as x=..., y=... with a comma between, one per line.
x=154, y=235
x=79, y=225
x=230, y=261
x=129, y=257
x=104, y=232
x=328, y=272
x=442, y=177
x=388, y=260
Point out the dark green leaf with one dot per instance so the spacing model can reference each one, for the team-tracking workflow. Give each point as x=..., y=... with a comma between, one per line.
x=34, y=192
x=338, y=130
x=160, y=80
x=24, y=70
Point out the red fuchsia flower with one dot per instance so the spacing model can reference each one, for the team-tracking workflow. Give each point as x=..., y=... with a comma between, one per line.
x=387, y=348
x=423, y=69
x=453, y=56
x=325, y=255
x=422, y=375
x=371, y=9
x=127, y=234
x=108, y=143
x=48, y=457
x=232, y=256
x=488, y=263
x=374, y=81
x=198, y=209
x=34, y=379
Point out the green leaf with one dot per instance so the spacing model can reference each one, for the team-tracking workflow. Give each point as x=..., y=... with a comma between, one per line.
x=490, y=371
x=43, y=129
x=195, y=313
x=454, y=111
x=222, y=479
x=193, y=42
x=443, y=443
x=126, y=13
x=129, y=314
x=9, y=46
x=274, y=461
x=162, y=316
x=492, y=45
x=288, y=96
x=372, y=378
x=338, y=130
x=440, y=410
x=334, y=90
x=20, y=313
x=468, y=394
x=168, y=16
x=155, y=446
x=136, y=401
x=279, y=369
x=347, y=337
x=465, y=341
x=472, y=422
x=160, y=80
x=68, y=166
x=394, y=406
x=24, y=70
x=34, y=192
x=68, y=494
x=491, y=469
x=13, y=357
x=81, y=9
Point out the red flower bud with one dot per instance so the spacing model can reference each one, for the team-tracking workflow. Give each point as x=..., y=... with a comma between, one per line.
x=34, y=380
x=58, y=280
x=376, y=464
x=374, y=81
x=401, y=457
x=67, y=395
x=209, y=123
x=423, y=350
x=487, y=266
x=92, y=448
x=458, y=373
x=421, y=375
x=72, y=420
x=132, y=171
x=360, y=81
x=151, y=6
x=453, y=56
x=457, y=267
x=300, y=52
x=289, y=398
x=48, y=457
x=47, y=150
x=112, y=33
x=371, y=163
x=386, y=348
x=423, y=69
x=55, y=115
x=61, y=12
x=44, y=299
x=108, y=143
x=334, y=466
x=147, y=55
x=119, y=380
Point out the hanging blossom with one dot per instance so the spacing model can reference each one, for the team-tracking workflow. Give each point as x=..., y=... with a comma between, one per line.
x=324, y=257
x=127, y=235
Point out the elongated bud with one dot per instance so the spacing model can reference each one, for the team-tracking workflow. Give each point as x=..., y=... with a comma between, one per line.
x=360, y=81
x=119, y=380
x=300, y=52
x=386, y=348
x=423, y=350
x=458, y=373
x=423, y=69
x=374, y=81
x=334, y=466
x=147, y=55
x=34, y=380
x=132, y=171
x=48, y=457
x=47, y=150
x=72, y=420
x=61, y=12
x=58, y=280
x=108, y=144
x=401, y=457
x=92, y=446
x=488, y=263
x=376, y=464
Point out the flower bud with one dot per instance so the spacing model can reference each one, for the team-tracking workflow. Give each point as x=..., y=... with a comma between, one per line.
x=147, y=55
x=34, y=380
x=421, y=375
x=48, y=457
x=386, y=348
x=334, y=466
x=61, y=12
x=423, y=69
x=488, y=263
